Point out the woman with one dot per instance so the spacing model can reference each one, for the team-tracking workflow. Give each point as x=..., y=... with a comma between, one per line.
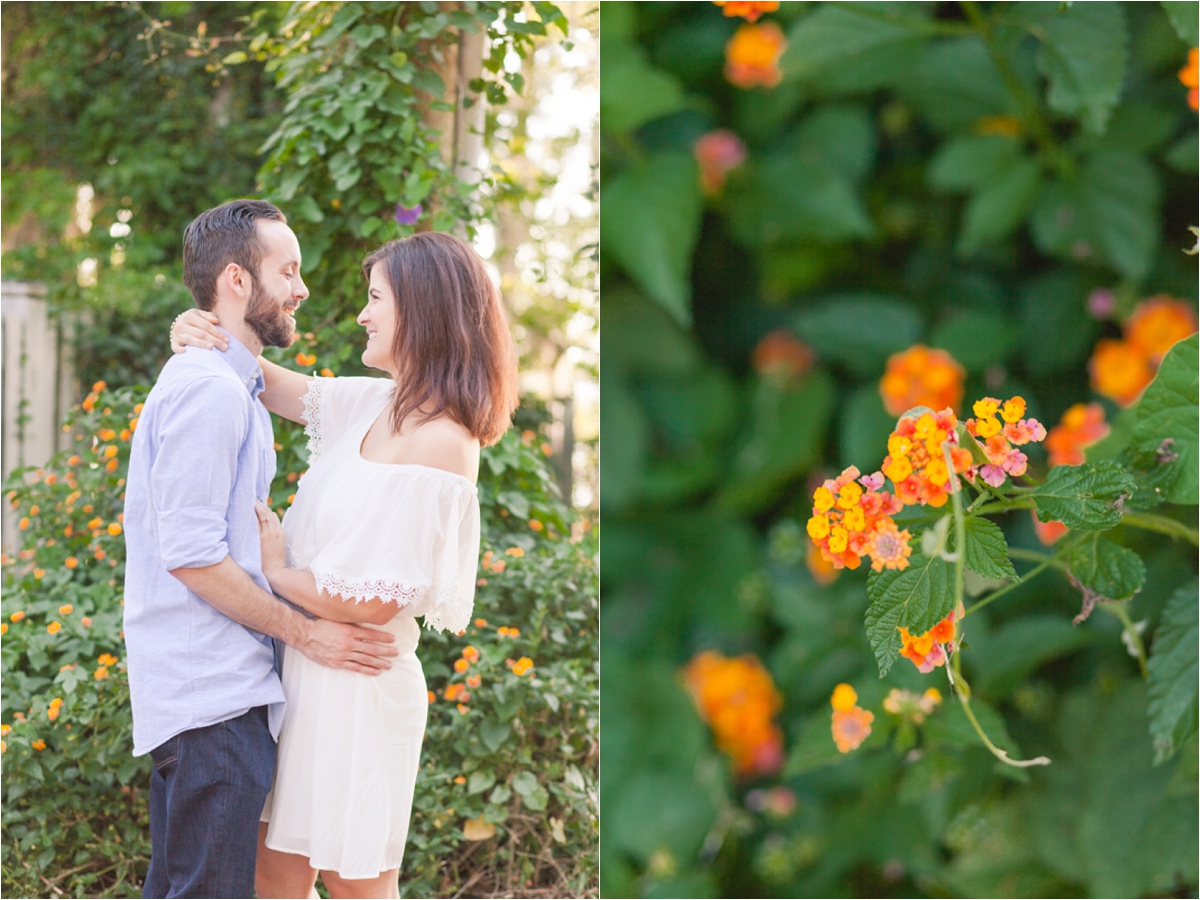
x=384, y=527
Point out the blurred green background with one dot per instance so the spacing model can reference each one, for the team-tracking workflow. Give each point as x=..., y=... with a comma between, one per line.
x=1003, y=181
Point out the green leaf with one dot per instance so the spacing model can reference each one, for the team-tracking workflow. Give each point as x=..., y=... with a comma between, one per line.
x=955, y=83
x=633, y=92
x=997, y=210
x=480, y=782
x=1110, y=570
x=916, y=598
x=650, y=222
x=835, y=38
x=306, y=207
x=1184, y=18
x=236, y=58
x=840, y=137
x=1084, y=497
x=1085, y=48
x=977, y=339
x=987, y=550
x=524, y=783
x=951, y=727
x=860, y=330
x=656, y=809
x=1111, y=211
x=494, y=734
x=1056, y=331
x=1168, y=410
x=865, y=428
x=783, y=442
x=1173, y=673
x=967, y=163
x=1184, y=153
x=1005, y=657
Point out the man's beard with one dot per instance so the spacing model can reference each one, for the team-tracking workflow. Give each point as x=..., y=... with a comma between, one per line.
x=267, y=320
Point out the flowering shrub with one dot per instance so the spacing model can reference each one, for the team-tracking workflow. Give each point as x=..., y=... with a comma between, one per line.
x=512, y=734
x=947, y=206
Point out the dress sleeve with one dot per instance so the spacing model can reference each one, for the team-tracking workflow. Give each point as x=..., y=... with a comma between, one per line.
x=418, y=548
x=332, y=405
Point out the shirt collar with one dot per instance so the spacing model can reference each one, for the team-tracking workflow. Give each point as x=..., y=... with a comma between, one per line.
x=244, y=365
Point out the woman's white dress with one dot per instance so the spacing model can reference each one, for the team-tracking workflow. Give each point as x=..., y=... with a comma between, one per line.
x=350, y=745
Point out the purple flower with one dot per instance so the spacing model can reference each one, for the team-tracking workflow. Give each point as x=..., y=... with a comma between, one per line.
x=1101, y=303
x=993, y=475
x=408, y=216
x=872, y=482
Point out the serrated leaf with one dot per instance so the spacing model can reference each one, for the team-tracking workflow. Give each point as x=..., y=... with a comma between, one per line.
x=1168, y=409
x=916, y=598
x=831, y=35
x=1183, y=17
x=987, y=550
x=1110, y=570
x=1084, y=497
x=1085, y=48
x=650, y=222
x=1173, y=674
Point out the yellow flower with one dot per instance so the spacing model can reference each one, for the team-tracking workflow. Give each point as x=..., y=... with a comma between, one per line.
x=101, y=673
x=114, y=529
x=844, y=698
x=39, y=744
x=66, y=609
x=522, y=665
x=54, y=627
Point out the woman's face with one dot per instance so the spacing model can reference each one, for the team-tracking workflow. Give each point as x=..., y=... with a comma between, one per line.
x=379, y=318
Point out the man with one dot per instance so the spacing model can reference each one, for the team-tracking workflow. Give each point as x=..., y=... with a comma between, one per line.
x=199, y=615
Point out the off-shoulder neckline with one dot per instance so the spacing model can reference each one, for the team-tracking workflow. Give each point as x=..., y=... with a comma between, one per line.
x=454, y=476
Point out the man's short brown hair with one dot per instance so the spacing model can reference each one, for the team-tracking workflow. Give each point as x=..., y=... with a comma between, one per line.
x=219, y=236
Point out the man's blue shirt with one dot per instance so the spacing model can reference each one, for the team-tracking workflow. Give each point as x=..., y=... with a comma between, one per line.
x=202, y=454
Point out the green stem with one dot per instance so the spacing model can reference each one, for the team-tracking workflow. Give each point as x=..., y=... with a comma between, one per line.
x=1035, y=556
x=1161, y=524
x=996, y=595
x=1005, y=506
x=925, y=26
x=960, y=528
x=996, y=751
x=1031, y=113
x=1119, y=610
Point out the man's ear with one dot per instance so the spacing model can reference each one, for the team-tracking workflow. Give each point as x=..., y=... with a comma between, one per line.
x=236, y=280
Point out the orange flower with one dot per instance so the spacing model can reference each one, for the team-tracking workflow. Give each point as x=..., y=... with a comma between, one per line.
x=1188, y=78
x=749, y=11
x=5, y=730
x=114, y=529
x=98, y=387
x=126, y=434
x=306, y=359
x=106, y=434
x=781, y=355
x=94, y=523
x=915, y=462
x=738, y=699
x=107, y=659
x=71, y=562
x=431, y=696
x=822, y=570
x=1120, y=371
x=922, y=377
x=851, y=728
x=66, y=609
x=522, y=665
x=54, y=627
x=849, y=523
x=1080, y=426
x=39, y=573
x=752, y=56
x=327, y=373
x=74, y=461
x=452, y=691
x=3, y=628
x=1158, y=324
x=110, y=451
x=459, y=779
x=100, y=554
x=481, y=623
x=927, y=651
x=51, y=478
x=462, y=709
x=910, y=705
x=473, y=681
x=461, y=665
x=1048, y=532
x=470, y=654
x=717, y=153
x=514, y=551
x=38, y=744
x=24, y=523
x=535, y=525
x=86, y=621
x=1000, y=437
x=111, y=465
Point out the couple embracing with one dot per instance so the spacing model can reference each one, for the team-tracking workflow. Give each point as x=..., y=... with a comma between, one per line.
x=286, y=736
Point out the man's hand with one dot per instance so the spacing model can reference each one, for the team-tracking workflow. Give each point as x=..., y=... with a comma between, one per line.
x=352, y=647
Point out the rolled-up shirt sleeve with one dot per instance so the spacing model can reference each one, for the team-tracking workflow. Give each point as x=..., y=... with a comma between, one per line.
x=201, y=434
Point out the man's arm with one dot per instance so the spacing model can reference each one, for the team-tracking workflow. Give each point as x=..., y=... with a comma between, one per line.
x=229, y=590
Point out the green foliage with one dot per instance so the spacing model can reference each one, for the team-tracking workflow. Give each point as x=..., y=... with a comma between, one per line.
x=523, y=745
x=964, y=176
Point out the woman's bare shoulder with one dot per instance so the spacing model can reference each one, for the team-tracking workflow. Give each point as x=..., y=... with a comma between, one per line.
x=442, y=443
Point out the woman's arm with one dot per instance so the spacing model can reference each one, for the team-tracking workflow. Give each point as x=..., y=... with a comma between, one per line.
x=300, y=587
x=285, y=389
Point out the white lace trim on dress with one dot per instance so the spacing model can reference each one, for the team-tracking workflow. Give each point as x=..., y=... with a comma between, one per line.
x=314, y=406
x=446, y=612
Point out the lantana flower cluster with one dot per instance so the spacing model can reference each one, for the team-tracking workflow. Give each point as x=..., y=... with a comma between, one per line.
x=921, y=376
x=912, y=706
x=915, y=462
x=1000, y=429
x=738, y=699
x=852, y=518
x=747, y=9
x=1122, y=369
x=752, y=56
x=928, y=651
x=851, y=724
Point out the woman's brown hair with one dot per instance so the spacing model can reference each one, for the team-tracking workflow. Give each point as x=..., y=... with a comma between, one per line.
x=453, y=351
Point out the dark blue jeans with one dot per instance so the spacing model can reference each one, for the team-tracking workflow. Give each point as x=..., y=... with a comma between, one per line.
x=206, y=793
